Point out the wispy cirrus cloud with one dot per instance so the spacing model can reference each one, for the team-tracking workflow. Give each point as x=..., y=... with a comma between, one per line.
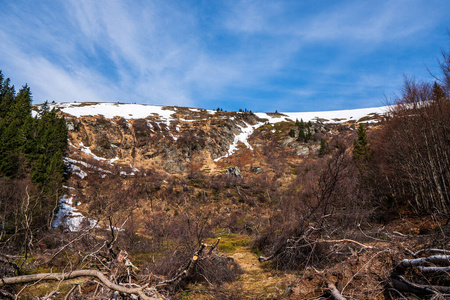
x=261, y=55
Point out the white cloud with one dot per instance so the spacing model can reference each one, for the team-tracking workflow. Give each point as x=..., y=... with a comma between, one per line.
x=170, y=53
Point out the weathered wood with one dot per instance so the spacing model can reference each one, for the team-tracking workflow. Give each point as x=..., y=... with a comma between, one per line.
x=214, y=246
x=433, y=269
x=431, y=251
x=335, y=292
x=75, y=274
x=265, y=258
x=443, y=259
x=401, y=284
x=345, y=241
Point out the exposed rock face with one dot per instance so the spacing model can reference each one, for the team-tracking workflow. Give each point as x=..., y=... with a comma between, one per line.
x=234, y=171
x=189, y=139
x=179, y=140
x=256, y=170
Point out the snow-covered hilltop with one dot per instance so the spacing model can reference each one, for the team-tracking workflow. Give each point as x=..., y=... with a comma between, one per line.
x=141, y=111
x=139, y=134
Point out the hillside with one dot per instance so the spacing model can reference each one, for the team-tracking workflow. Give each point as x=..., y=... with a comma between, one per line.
x=177, y=141
x=172, y=138
x=186, y=203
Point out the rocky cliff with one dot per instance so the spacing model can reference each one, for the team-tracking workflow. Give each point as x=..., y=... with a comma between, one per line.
x=179, y=140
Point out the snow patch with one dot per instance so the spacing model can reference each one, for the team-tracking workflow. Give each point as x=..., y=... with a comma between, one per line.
x=246, y=132
x=68, y=216
x=150, y=126
x=86, y=165
x=88, y=151
x=171, y=135
x=342, y=115
x=77, y=171
x=111, y=110
x=123, y=173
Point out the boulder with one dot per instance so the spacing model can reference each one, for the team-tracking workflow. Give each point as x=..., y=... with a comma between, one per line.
x=234, y=171
x=256, y=170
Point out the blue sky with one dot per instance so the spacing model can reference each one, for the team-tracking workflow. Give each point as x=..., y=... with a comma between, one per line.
x=304, y=55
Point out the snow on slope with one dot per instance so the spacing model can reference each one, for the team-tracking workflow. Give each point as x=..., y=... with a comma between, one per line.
x=111, y=110
x=140, y=111
x=68, y=216
x=330, y=116
x=246, y=132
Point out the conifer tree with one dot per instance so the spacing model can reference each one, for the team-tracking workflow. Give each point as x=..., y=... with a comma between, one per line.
x=437, y=92
x=301, y=135
x=292, y=133
x=323, y=147
x=13, y=135
x=361, y=148
x=7, y=94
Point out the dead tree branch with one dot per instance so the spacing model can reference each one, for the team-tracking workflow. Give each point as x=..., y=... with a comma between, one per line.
x=431, y=251
x=187, y=271
x=74, y=274
x=434, y=264
x=401, y=284
x=435, y=259
x=434, y=269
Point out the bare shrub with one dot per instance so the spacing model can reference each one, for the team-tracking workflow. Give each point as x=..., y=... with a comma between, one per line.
x=416, y=149
x=323, y=199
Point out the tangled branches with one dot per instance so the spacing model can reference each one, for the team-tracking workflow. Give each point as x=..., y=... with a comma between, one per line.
x=429, y=274
x=114, y=273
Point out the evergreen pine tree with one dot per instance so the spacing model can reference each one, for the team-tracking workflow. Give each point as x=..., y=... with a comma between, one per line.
x=7, y=95
x=302, y=124
x=301, y=135
x=34, y=147
x=13, y=135
x=361, y=149
x=437, y=92
x=323, y=147
x=292, y=133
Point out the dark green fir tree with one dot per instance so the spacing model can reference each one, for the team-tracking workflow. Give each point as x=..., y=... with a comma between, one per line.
x=361, y=148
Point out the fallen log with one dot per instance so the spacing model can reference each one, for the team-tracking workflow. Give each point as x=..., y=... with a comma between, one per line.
x=431, y=251
x=335, y=292
x=74, y=274
x=401, y=284
x=435, y=259
x=433, y=269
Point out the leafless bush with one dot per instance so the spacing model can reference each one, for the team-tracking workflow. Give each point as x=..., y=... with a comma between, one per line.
x=323, y=201
x=416, y=148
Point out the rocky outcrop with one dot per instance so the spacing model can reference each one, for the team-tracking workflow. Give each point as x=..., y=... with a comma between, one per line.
x=173, y=146
x=256, y=170
x=234, y=171
x=178, y=140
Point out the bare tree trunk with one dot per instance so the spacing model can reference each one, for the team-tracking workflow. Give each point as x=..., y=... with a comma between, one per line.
x=75, y=274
